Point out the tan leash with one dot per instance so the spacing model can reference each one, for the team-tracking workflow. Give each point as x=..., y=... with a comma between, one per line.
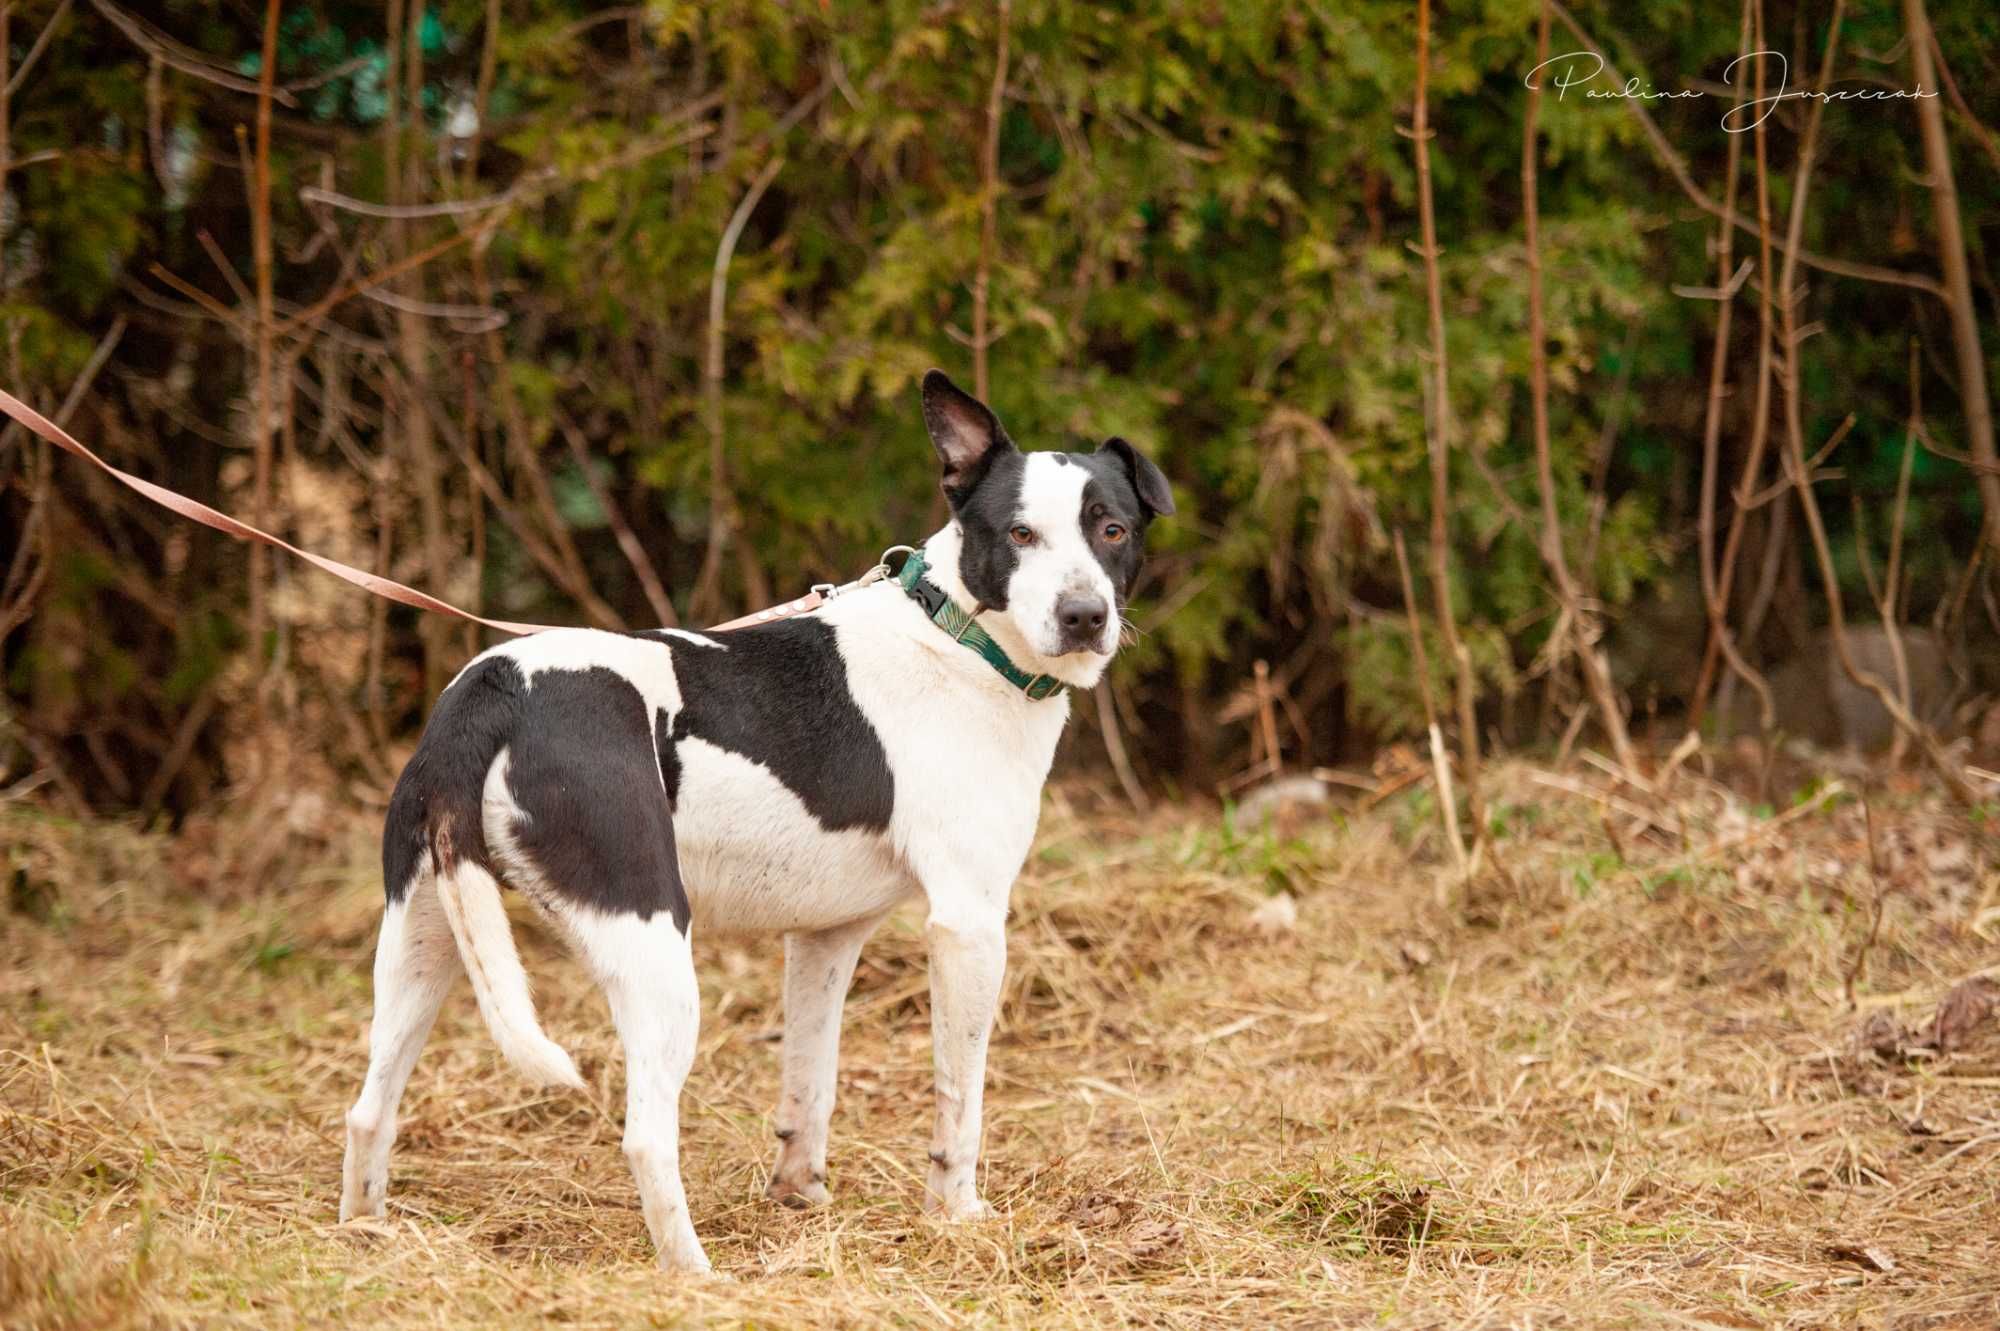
x=387, y=588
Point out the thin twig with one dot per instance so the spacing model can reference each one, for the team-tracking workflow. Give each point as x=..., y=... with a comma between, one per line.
x=1114, y=748
x=1971, y=357
x=1783, y=485
x=1596, y=672
x=989, y=205
x=408, y=212
x=1889, y=603
x=722, y=516
x=628, y=543
x=1980, y=133
x=1879, y=899
x=28, y=61
x=1440, y=441
x=1722, y=644
x=1677, y=167
x=1440, y=762
x=263, y=429
x=185, y=58
x=1952, y=774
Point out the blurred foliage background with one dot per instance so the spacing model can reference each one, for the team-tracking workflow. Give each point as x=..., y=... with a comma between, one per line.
x=1202, y=226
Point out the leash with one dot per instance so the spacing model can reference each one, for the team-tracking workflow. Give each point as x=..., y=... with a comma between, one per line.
x=821, y=593
x=937, y=606
x=387, y=588
x=174, y=502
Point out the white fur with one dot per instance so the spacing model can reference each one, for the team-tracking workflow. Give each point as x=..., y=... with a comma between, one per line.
x=753, y=858
x=415, y=963
x=1060, y=561
x=647, y=663
x=818, y=968
x=646, y=969
x=471, y=901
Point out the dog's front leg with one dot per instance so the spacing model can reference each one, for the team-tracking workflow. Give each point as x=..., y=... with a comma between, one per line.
x=818, y=969
x=968, y=955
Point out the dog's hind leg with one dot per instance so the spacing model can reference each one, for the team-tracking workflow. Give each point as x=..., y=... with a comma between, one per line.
x=647, y=971
x=818, y=969
x=415, y=964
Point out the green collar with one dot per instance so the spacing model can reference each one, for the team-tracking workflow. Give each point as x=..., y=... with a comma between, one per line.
x=944, y=613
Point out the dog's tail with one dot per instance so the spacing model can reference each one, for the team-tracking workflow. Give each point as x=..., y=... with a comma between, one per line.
x=435, y=828
x=471, y=900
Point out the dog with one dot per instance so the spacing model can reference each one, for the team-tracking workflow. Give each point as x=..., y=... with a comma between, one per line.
x=802, y=776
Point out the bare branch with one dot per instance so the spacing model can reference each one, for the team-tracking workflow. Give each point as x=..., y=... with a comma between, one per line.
x=722, y=516
x=28, y=61
x=1440, y=763
x=1677, y=167
x=628, y=542
x=1719, y=577
x=989, y=206
x=185, y=58
x=1952, y=774
x=1971, y=358
x=408, y=211
x=1440, y=441
x=1596, y=673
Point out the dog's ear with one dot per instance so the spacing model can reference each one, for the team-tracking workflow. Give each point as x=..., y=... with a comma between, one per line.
x=964, y=431
x=1147, y=479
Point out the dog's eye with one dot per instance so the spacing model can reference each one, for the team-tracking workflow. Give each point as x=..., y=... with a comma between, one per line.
x=1022, y=535
x=1113, y=532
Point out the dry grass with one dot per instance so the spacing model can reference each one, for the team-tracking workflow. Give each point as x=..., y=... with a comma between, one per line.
x=1618, y=1093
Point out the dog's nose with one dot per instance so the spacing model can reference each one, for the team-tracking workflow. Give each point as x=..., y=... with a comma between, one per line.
x=1081, y=617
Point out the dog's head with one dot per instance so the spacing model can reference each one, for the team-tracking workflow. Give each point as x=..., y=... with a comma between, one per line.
x=1049, y=544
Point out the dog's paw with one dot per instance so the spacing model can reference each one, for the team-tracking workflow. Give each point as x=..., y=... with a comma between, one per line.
x=693, y=1263
x=798, y=1196
x=966, y=1211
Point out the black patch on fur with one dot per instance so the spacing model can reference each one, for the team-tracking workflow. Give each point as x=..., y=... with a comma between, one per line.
x=988, y=556
x=1110, y=496
x=670, y=758
x=583, y=767
x=582, y=764
x=982, y=482
x=434, y=809
x=779, y=697
x=1148, y=481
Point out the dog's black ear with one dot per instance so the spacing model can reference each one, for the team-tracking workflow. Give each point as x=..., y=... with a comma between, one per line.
x=964, y=431
x=1147, y=479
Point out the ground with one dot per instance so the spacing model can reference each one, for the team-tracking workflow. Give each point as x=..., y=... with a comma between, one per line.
x=1667, y=1060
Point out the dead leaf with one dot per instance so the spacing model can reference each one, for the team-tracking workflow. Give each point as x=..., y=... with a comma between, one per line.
x=1882, y=1035
x=1962, y=1011
x=1152, y=1239
x=1096, y=1209
x=1867, y=1257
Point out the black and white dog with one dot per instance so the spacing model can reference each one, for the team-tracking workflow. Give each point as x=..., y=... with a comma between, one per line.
x=801, y=776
